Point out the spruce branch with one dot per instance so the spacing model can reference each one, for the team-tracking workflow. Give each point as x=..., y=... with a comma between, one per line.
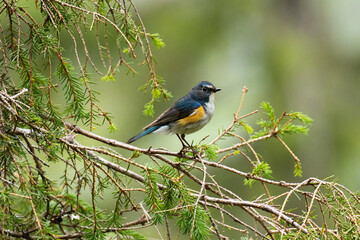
x=150, y=188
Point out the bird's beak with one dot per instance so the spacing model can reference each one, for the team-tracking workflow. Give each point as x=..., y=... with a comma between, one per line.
x=217, y=89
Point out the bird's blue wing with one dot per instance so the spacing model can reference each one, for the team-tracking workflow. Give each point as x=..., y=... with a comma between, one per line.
x=186, y=107
x=181, y=109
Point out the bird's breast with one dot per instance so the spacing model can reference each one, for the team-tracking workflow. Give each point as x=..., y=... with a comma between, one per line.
x=210, y=108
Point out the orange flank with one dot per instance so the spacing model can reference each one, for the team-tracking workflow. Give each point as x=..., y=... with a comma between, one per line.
x=196, y=116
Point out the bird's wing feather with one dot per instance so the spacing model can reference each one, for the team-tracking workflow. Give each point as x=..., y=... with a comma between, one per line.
x=182, y=108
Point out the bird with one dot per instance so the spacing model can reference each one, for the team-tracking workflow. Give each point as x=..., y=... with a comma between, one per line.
x=188, y=114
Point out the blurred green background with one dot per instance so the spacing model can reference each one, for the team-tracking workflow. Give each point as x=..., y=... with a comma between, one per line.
x=299, y=55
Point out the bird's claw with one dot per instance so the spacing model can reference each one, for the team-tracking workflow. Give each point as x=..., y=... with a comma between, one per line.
x=183, y=152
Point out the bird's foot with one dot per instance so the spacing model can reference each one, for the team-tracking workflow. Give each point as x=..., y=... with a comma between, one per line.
x=183, y=152
x=194, y=151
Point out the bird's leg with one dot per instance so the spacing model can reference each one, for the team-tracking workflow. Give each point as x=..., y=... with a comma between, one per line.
x=183, y=145
x=183, y=139
x=191, y=147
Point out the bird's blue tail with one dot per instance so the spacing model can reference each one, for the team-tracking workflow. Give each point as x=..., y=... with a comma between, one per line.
x=150, y=130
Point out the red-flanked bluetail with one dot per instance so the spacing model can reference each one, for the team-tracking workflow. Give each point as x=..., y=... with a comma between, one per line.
x=189, y=114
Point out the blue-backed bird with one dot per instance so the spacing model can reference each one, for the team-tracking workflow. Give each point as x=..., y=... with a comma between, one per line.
x=189, y=114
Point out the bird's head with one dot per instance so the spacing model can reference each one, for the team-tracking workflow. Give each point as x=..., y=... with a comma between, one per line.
x=204, y=91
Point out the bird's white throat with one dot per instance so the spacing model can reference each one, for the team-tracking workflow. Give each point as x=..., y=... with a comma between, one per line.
x=210, y=106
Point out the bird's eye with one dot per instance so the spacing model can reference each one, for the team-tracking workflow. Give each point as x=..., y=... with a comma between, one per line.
x=205, y=89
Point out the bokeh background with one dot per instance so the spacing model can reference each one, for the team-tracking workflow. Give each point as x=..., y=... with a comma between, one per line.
x=300, y=55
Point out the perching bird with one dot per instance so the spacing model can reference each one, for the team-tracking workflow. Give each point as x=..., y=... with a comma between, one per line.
x=189, y=114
